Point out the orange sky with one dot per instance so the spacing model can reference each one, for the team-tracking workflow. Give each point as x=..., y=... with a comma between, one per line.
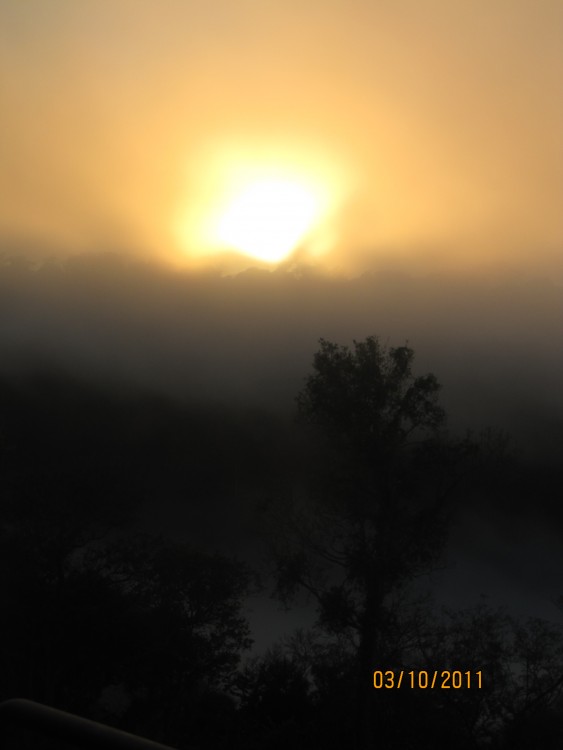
x=435, y=126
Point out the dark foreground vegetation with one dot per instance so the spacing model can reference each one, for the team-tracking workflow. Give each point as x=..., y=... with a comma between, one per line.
x=132, y=532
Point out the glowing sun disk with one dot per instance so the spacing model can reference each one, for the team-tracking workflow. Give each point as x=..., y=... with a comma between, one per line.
x=267, y=218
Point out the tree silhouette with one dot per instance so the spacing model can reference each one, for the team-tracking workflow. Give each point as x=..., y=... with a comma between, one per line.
x=190, y=630
x=372, y=512
x=275, y=705
x=520, y=665
x=152, y=621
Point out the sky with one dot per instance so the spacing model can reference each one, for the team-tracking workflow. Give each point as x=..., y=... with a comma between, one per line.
x=428, y=132
x=192, y=193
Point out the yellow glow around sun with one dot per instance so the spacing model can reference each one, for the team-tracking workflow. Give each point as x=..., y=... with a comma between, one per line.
x=264, y=203
x=268, y=218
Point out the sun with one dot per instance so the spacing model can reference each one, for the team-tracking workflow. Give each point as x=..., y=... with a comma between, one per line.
x=268, y=218
x=258, y=200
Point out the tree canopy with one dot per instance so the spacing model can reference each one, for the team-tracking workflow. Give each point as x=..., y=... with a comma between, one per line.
x=373, y=512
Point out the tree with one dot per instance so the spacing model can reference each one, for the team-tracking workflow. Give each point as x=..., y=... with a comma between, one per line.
x=188, y=631
x=275, y=705
x=372, y=512
x=516, y=665
x=149, y=620
x=296, y=694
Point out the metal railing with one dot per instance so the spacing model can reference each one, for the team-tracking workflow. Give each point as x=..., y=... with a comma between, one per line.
x=70, y=728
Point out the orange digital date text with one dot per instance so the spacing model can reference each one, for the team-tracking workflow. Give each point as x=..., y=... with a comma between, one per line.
x=427, y=679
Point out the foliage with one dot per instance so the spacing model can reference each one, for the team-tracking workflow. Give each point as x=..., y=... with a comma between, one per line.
x=521, y=666
x=152, y=620
x=367, y=400
x=373, y=512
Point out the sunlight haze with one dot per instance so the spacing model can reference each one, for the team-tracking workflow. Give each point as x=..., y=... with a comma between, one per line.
x=262, y=200
x=435, y=126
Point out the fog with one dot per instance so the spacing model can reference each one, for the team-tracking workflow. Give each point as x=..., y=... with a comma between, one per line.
x=234, y=351
x=249, y=338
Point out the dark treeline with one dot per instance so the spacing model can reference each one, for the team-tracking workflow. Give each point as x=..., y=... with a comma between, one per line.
x=134, y=526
